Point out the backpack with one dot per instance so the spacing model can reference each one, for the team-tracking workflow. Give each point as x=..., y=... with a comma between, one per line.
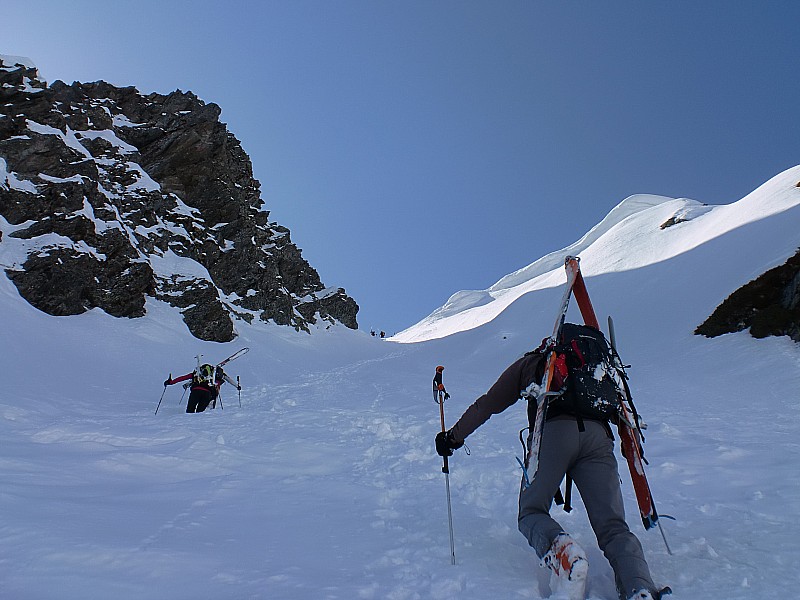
x=585, y=373
x=204, y=375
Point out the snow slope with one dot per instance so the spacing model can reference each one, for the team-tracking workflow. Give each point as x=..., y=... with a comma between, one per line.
x=324, y=483
x=628, y=238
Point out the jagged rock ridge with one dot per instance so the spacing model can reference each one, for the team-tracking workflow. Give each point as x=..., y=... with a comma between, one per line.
x=110, y=196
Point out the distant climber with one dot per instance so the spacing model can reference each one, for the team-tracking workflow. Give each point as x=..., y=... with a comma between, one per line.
x=205, y=383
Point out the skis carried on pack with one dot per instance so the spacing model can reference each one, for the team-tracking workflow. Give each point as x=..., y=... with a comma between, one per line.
x=630, y=434
x=571, y=264
x=233, y=356
x=223, y=362
x=631, y=439
x=218, y=367
x=628, y=426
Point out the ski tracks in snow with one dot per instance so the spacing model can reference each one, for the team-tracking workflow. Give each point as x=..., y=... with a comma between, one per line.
x=388, y=496
x=328, y=486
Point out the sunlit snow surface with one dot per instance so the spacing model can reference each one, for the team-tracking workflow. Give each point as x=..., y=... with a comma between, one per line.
x=324, y=482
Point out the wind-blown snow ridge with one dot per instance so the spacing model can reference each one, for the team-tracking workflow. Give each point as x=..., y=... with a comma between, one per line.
x=631, y=236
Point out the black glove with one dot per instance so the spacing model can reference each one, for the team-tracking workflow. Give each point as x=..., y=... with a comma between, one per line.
x=168, y=382
x=446, y=443
x=446, y=396
x=239, y=388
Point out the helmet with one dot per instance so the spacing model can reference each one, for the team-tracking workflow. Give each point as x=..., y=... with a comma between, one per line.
x=439, y=369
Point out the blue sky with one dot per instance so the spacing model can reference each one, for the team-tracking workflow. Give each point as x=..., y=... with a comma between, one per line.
x=418, y=148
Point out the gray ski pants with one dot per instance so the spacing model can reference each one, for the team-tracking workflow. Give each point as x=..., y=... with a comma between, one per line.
x=588, y=457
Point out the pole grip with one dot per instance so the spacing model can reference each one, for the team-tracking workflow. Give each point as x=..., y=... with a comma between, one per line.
x=445, y=463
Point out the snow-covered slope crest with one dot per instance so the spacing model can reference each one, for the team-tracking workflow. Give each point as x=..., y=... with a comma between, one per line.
x=641, y=230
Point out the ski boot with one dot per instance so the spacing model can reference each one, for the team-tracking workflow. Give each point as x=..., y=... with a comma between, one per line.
x=648, y=595
x=569, y=567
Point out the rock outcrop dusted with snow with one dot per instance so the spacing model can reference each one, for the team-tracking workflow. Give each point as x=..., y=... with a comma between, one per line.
x=768, y=305
x=108, y=196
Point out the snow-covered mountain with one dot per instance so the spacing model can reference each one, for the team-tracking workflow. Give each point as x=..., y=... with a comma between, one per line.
x=109, y=196
x=641, y=231
x=321, y=480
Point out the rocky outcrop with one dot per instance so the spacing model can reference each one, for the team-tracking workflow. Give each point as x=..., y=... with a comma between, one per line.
x=111, y=197
x=768, y=305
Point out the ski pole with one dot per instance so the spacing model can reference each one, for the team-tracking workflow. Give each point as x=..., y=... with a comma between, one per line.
x=664, y=535
x=162, y=394
x=439, y=395
x=239, y=387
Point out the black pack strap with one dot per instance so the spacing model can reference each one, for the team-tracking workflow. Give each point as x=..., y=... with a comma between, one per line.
x=578, y=417
x=565, y=500
x=579, y=421
x=568, y=494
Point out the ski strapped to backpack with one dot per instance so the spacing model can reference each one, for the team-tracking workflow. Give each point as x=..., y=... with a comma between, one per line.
x=219, y=374
x=596, y=387
x=233, y=356
x=208, y=372
x=543, y=394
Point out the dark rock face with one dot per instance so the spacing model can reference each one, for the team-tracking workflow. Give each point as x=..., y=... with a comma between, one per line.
x=110, y=197
x=768, y=305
